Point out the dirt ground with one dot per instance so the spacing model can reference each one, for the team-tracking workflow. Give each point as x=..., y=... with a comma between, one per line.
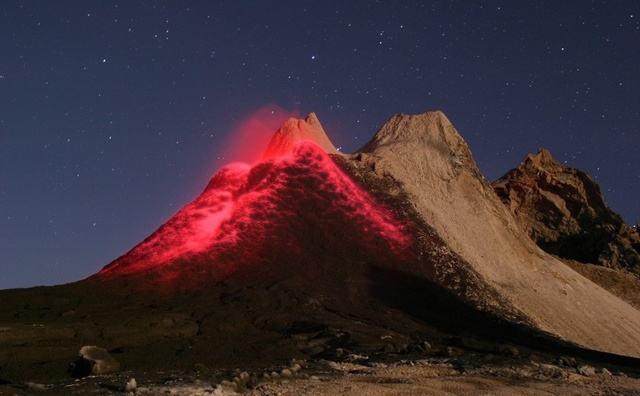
x=425, y=378
x=408, y=377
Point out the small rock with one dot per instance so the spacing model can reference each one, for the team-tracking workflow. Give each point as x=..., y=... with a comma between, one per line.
x=523, y=372
x=606, y=372
x=567, y=361
x=586, y=370
x=314, y=378
x=274, y=374
x=295, y=367
x=241, y=381
x=332, y=365
x=286, y=373
x=550, y=370
x=131, y=385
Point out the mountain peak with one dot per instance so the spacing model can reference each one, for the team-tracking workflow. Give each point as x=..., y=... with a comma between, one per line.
x=411, y=127
x=429, y=132
x=564, y=212
x=542, y=158
x=295, y=130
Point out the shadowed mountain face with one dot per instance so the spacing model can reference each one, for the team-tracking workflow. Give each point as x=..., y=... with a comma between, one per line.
x=564, y=212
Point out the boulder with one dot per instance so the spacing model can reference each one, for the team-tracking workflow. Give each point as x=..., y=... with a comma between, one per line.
x=93, y=360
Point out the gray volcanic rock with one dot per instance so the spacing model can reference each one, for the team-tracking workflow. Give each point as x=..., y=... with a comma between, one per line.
x=564, y=212
x=433, y=165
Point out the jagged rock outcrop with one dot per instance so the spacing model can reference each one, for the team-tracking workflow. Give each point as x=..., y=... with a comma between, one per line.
x=564, y=212
x=429, y=159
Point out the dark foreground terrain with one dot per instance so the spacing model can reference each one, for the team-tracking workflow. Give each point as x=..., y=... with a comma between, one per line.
x=197, y=343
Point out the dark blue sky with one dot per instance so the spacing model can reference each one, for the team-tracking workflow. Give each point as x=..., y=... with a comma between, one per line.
x=114, y=114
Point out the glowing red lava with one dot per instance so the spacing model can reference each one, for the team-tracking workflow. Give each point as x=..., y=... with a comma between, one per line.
x=290, y=206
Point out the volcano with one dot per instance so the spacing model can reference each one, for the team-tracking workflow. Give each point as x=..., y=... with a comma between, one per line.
x=311, y=252
x=295, y=205
x=298, y=208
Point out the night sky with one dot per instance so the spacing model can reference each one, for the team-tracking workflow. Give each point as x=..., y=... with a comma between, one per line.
x=115, y=114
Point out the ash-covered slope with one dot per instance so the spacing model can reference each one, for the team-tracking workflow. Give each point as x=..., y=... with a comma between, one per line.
x=434, y=166
x=563, y=210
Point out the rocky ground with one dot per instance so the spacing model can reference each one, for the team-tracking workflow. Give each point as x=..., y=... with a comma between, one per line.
x=428, y=377
x=359, y=375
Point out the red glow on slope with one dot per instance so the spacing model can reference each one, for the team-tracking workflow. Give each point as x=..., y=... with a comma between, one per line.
x=298, y=206
x=251, y=135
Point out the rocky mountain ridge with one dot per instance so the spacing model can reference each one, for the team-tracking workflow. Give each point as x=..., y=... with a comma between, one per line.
x=564, y=212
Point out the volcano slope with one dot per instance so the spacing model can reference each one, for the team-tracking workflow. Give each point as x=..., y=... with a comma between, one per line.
x=311, y=253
